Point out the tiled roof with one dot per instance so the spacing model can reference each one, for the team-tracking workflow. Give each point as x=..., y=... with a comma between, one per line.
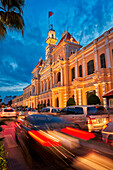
x=67, y=37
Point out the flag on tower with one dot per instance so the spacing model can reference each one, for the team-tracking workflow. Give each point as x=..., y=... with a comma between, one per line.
x=50, y=13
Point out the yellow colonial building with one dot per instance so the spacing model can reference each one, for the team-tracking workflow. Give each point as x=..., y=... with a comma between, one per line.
x=70, y=70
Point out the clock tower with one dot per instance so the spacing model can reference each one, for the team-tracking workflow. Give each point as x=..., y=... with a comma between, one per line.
x=51, y=41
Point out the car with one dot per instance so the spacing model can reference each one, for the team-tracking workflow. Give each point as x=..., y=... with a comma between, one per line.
x=8, y=112
x=50, y=110
x=31, y=111
x=48, y=136
x=88, y=117
x=107, y=133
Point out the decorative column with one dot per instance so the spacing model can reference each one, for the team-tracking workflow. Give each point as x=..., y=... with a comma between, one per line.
x=53, y=78
x=107, y=53
x=80, y=100
x=96, y=57
x=35, y=88
x=40, y=87
x=29, y=103
x=75, y=97
x=76, y=69
x=61, y=76
x=83, y=63
x=104, y=99
x=43, y=86
x=96, y=89
x=50, y=82
x=47, y=85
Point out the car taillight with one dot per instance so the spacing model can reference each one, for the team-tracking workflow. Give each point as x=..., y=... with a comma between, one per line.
x=44, y=139
x=78, y=133
x=109, y=119
x=88, y=120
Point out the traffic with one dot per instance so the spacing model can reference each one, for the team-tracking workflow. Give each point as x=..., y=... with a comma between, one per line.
x=59, y=135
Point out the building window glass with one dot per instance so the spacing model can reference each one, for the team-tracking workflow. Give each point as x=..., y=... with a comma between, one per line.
x=73, y=73
x=90, y=67
x=59, y=76
x=102, y=61
x=80, y=71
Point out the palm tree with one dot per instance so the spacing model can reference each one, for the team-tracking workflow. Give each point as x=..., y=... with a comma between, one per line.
x=11, y=16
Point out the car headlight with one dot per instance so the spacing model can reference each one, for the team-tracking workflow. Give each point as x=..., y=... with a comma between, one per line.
x=104, y=127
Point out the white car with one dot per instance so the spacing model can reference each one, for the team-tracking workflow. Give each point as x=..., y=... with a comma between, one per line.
x=50, y=111
x=89, y=117
x=8, y=112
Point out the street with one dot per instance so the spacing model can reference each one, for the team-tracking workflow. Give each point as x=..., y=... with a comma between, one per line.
x=93, y=155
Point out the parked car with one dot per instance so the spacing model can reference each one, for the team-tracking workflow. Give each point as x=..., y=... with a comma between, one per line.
x=31, y=111
x=89, y=117
x=50, y=110
x=107, y=133
x=42, y=135
x=8, y=112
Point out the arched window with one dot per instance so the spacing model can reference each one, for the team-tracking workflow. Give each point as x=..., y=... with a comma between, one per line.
x=30, y=93
x=44, y=103
x=102, y=61
x=59, y=76
x=48, y=102
x=52, y=36
x=80, y=71
x=73, y=73
x=90, y=67
x=57, y=102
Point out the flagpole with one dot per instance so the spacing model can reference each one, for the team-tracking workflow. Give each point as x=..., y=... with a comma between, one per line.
x=48, y=22
x=50, y=14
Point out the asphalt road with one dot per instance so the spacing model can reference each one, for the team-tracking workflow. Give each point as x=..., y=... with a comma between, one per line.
x=92, y=155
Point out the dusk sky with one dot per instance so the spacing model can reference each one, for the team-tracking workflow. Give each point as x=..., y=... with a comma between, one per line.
x=85, y=19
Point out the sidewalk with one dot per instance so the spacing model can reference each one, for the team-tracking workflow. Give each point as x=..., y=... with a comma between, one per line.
x=15, y=158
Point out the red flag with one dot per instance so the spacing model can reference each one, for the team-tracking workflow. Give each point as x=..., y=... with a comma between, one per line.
x=50, y=13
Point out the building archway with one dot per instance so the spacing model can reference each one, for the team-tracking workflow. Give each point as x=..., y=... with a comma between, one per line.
x=88, y=93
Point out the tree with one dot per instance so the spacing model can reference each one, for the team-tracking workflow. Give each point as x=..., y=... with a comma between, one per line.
x=93, y=100
x=3, y=162
x=10, y=102
x=11, y=16
x=71, y=102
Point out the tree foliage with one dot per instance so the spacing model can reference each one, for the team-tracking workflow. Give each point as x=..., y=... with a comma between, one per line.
x=10, y=102
x=71, y=102
x=11, y=16
x=93, y=100
x=3, y=162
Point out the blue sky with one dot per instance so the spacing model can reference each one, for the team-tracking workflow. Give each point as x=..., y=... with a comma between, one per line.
x=85, y=19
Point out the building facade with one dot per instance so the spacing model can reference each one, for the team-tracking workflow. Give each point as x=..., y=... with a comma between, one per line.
x=70, y=70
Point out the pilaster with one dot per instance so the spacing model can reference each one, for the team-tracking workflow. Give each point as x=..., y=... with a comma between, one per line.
x=76, y=69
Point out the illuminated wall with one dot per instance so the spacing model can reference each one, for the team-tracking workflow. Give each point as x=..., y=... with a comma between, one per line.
x=70, y=70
